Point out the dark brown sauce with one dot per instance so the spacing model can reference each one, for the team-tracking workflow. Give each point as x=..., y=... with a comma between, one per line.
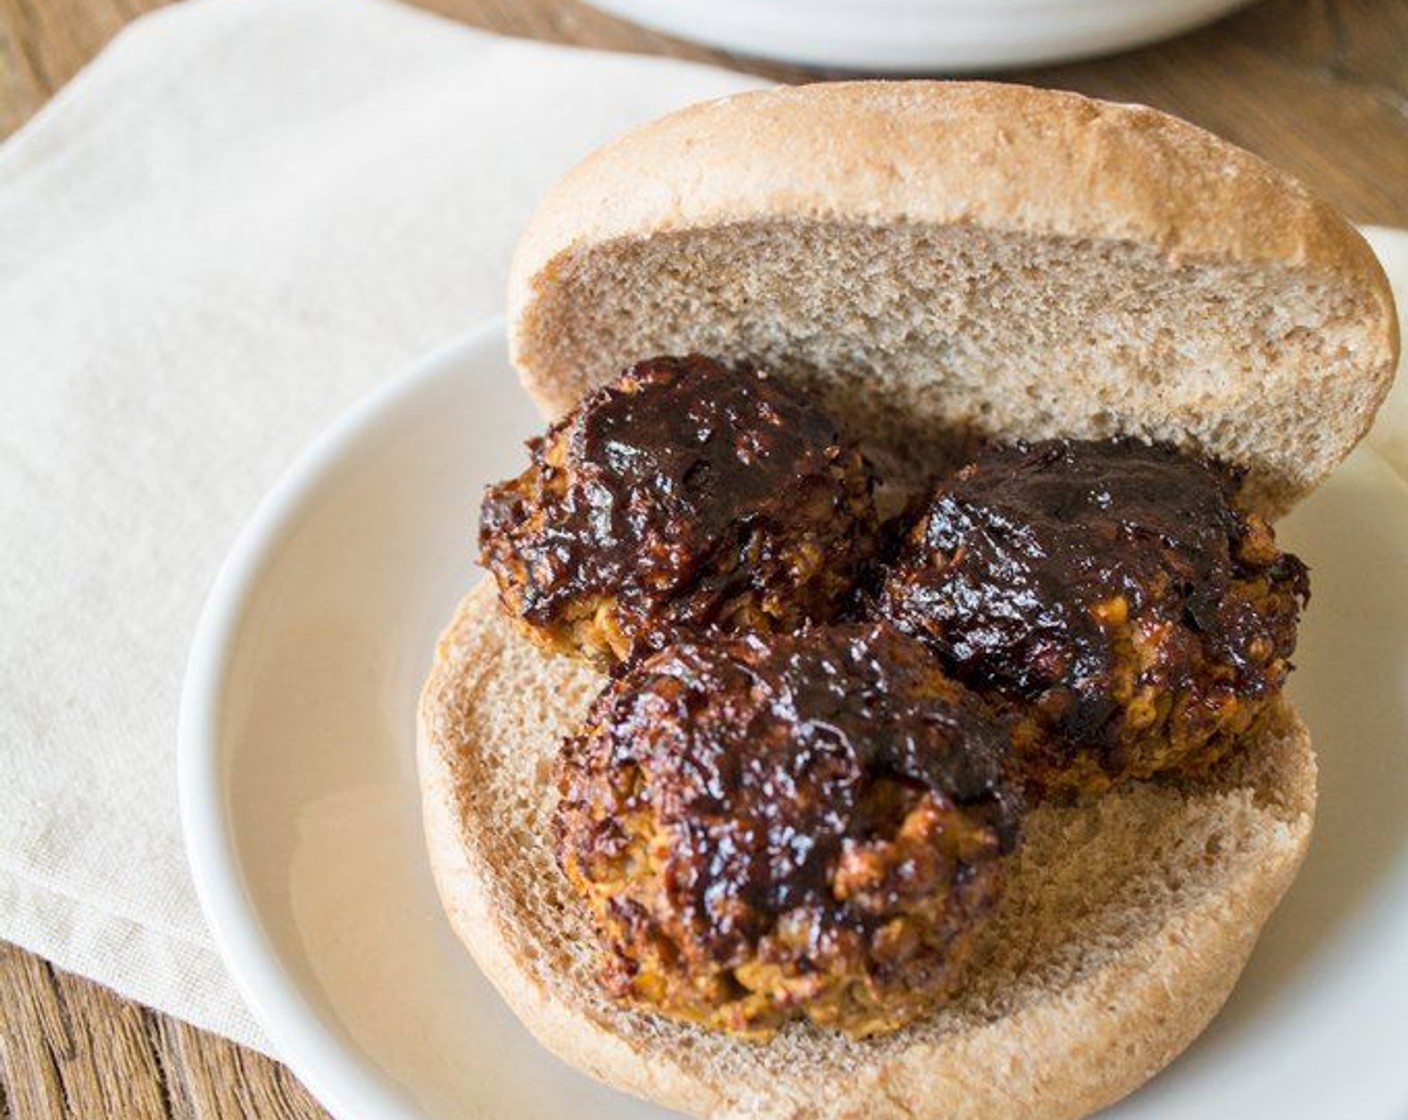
x=764, y=754
x=774, y=794
x=685, y=484
x=1031, y=540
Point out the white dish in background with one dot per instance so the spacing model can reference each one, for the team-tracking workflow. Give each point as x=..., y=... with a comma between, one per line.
x=301, y=813
x=911, y=36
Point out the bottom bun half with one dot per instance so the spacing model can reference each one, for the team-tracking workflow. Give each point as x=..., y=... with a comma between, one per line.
x=1124, y=926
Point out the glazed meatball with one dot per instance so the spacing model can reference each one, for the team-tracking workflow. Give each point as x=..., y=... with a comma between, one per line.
x=1112, y=595
x=686, y=497
x=772, y=827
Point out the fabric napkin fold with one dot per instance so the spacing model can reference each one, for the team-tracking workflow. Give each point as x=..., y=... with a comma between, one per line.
x=242, y=217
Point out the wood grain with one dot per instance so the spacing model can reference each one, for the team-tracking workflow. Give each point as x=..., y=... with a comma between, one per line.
x=1317, y=86
x=72, y=1050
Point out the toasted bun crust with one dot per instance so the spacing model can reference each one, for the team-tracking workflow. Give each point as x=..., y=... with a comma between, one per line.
x=1124, y=927
x=943, y=257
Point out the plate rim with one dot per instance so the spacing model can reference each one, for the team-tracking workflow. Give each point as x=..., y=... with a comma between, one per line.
x=321, y=1056
x=298, y=1034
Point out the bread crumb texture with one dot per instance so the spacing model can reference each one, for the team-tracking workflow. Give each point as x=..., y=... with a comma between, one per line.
x=946, y=259
x=1123, y=929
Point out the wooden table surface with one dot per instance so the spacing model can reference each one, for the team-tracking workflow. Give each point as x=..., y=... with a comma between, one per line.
x=1317, y=86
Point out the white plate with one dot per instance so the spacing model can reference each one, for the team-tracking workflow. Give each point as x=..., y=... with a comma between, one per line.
x=300, y=804
x=908, y=36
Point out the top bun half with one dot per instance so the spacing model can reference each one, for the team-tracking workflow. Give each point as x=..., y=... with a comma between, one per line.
x=945, y=260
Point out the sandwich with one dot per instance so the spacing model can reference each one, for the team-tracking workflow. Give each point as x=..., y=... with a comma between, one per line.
x=875, y=706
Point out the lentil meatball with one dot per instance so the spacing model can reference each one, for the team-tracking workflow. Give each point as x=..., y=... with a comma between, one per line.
x=1112, y=595
x=772, y=827
x=686, y=497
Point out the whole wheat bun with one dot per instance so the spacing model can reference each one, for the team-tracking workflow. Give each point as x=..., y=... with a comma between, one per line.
x=936, y=260
x=944, y=258
x=1122, y=931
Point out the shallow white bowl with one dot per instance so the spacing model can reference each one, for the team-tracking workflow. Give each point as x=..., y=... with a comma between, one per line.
x=301, y=812
x=910, y=36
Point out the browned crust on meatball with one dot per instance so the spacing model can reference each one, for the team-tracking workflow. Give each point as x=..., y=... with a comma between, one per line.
x=775, y=827
x=684, y=498
x=1111, y=597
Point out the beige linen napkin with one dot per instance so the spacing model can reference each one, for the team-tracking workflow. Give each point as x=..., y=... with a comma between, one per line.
x=242, y=217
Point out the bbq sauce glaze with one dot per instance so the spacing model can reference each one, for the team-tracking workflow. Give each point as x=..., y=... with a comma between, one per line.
x=773, y=811
x=1078, y=574
x=825, y=809
x=763, y=751
x=691, y=496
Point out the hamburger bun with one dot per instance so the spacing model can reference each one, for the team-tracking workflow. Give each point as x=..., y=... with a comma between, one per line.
x=940, y=257
x=937, y=261
x=1123, y=929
